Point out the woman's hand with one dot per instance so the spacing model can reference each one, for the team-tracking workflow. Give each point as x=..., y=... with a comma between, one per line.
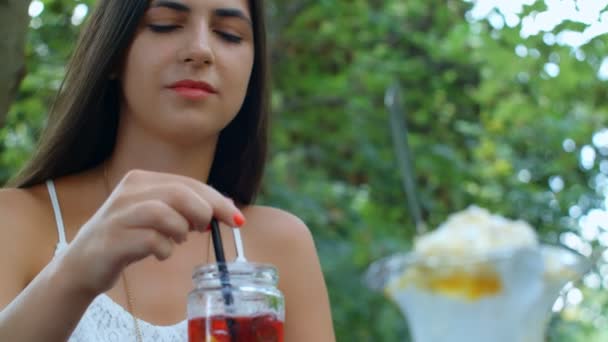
x=145, y=215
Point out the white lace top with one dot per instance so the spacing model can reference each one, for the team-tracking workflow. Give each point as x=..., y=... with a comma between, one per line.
x=105, y=320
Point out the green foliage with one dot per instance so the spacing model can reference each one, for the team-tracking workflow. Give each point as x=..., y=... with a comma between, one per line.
x=480, y=119
x=486, y=126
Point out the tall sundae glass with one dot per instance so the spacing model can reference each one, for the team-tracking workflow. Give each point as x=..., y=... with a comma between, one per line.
x=477, y=278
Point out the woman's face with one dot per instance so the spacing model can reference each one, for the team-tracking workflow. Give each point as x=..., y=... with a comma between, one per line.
x=186, y=72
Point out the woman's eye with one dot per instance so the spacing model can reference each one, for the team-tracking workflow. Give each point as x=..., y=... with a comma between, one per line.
x=229, y=37
x=163, y=28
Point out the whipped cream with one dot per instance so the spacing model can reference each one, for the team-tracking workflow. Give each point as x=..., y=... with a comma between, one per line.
x=475, y=232
x=456, y=260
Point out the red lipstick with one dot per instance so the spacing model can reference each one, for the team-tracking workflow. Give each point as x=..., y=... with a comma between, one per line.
x=193, y=90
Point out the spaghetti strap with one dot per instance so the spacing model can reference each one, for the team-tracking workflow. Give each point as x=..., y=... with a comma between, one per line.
x=62, y=243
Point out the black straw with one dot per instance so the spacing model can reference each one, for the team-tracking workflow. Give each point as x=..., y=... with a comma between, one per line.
x=220, y=258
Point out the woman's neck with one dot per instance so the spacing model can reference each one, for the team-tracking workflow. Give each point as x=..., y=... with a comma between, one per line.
x=138, y=150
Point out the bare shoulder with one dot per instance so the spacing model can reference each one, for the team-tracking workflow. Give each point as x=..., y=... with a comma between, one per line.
x=277, y=226
x=18, y=209
x=22, y=206
x=278, y=237
x=276, y=219
x=282, y=239
x=22, y=240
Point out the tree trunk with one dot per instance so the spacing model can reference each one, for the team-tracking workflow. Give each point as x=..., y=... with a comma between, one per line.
x=14, y=22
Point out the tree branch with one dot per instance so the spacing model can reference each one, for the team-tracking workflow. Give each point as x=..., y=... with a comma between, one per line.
x=14, y=22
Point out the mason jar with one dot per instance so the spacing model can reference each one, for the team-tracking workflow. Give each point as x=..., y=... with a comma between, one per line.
x=235, y=302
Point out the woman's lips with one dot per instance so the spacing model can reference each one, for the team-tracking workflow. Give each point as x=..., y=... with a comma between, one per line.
x=194, y=90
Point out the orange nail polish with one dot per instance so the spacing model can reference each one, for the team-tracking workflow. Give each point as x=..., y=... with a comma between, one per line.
x=238, y=219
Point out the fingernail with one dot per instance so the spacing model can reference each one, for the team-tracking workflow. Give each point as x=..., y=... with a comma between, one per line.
x=238, y=219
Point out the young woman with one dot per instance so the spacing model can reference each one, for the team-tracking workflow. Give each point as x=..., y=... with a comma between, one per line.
x=160, y=125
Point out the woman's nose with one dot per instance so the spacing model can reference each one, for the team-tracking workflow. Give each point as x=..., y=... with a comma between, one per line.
x=197, y=49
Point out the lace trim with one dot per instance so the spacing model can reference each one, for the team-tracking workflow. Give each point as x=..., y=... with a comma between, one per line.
x=107, y=321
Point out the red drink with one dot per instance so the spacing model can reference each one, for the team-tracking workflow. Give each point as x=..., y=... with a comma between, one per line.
x=260, y=328
x=256, y=313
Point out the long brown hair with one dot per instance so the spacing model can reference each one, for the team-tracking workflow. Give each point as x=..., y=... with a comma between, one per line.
x=83, y=121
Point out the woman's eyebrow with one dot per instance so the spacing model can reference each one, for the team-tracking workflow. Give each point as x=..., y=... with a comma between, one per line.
x=219, y=12
x=232, y=13
x=177, y=6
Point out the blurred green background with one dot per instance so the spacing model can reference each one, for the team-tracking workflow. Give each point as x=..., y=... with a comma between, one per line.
x=506, y=104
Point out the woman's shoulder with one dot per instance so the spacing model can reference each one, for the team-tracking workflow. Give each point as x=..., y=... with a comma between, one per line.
x=23, y=213
x=276, y=223
x=21, y=206
x=279, y=237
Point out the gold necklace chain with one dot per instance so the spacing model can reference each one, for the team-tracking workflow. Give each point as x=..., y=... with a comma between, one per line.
x=130, y=308
x=130, y=298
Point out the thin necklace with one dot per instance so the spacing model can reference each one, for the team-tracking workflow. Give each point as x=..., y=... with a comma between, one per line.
x=130, y=298
x=130, y=308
